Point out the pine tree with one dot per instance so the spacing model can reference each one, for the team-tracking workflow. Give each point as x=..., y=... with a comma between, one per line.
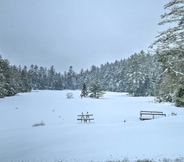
x=96, y=89
x=9, y=88
x=26, y=85
x=57, y=84
x=15, y=79
x=42, y=78
x=84, y=92
x=34, y=76
x=2, y=79
x=70, y=79
x=179, y=100
x=80, y=80
x=172, y=38
x=170, y=50
x=51, y=77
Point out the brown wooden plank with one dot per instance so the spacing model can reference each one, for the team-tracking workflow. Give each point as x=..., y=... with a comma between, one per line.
x=152, y=114
x=86, y=119
x=86, y=115
x=146, y=118
x=152, y=111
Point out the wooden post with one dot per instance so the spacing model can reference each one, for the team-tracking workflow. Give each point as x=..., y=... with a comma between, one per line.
x=81, y=116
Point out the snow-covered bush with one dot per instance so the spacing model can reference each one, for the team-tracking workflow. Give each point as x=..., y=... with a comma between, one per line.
x=38, y=124
x=164, y=98
x=173, y=114
x=69, y=95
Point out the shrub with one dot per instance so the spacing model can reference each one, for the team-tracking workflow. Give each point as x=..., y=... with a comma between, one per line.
x=173, y=114
x=69, y=95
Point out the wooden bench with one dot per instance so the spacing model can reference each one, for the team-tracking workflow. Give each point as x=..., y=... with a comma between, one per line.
x=85, y=117
x=150, y=113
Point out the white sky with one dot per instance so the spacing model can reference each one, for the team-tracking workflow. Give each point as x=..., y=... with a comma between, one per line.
x=78, y=33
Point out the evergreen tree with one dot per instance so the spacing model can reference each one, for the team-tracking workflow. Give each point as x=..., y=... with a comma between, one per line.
x=132, y=78
x=172, y=38
x=51, y=77
x=80, y=79
x=121, y=76
x=26, y=85
x=95, y=89
x=140, y=74
x=71, y=79
x=2, y=79
x=84, y=92
x=34, y=76
x=8, y=86
x=170, y=50
x=16, y=79
x=42, y=78
x=179, y=100
x=57, y=84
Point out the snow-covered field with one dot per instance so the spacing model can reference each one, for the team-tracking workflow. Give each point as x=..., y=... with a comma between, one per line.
x=107, y=138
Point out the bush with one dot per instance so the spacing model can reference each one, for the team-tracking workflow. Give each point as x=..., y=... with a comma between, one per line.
x=69, y=95
x=173, y=114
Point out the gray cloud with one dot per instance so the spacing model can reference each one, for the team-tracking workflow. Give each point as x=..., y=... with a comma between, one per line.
x=80, y=33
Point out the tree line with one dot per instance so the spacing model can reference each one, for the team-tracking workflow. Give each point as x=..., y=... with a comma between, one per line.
x=135, y=75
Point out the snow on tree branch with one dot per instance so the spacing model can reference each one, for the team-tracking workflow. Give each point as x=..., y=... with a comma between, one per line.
x=173, y=37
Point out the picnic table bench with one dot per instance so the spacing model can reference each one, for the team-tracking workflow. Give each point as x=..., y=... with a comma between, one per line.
x=143, y=114
x=85, y=117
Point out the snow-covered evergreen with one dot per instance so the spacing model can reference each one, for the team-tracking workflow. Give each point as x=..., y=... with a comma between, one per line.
x=170, y=50
x=136, y=75
x=12, y=79
x=95, y=89
x=84, y=92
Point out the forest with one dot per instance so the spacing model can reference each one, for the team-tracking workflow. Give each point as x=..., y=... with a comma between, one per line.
x=135, y=75
x=160, y=74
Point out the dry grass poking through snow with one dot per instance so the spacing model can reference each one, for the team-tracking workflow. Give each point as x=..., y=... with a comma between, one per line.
x=38, y=124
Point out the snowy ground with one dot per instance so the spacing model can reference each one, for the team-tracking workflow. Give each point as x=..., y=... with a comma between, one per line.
x=107, y=138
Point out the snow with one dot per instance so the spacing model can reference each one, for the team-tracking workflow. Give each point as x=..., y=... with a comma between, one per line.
x=108, y=137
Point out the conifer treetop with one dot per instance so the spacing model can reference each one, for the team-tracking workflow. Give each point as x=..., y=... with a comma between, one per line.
x=173, y=37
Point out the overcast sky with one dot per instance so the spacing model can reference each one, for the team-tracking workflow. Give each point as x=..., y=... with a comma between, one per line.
x=78, y=33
